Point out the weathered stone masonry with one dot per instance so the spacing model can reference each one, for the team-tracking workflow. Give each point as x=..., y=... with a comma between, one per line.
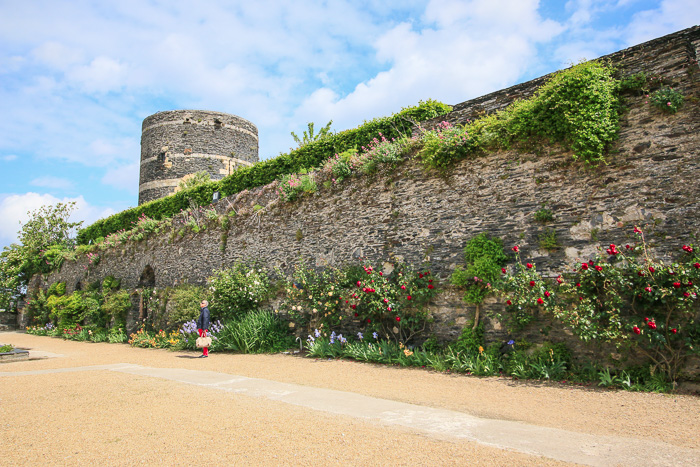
x=179, y=143
x=412, y=215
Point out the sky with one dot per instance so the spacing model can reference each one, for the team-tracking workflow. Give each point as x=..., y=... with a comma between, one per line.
x=78, y=77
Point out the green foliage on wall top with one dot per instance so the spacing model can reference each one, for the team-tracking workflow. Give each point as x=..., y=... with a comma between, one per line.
x=311, y=155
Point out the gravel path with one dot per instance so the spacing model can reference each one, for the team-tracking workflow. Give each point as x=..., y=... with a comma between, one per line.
x=118, y=418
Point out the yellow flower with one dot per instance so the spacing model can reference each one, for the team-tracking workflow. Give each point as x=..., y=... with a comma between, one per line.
x=481, y=349
x=407, y=352
x=330, y=294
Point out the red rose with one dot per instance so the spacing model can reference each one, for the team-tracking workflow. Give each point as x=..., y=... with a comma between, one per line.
x=388, y=308
x=426, y=273
x=599, y=268
x=503, y=270
x=628, y=247
x=386, y=300
x=369, y=320
x=516, y=248
x=677, y=285
x=674, y=330
x=560, y=280
x=359, y=284
x=381, y=273
x=578, y=284
x=508, y=302
x=529, y=265
x=697, y=265
x=420, y=275
x=686, y=294
x=687, y=248
x=430, y=286
x=636, y=330
x=547, y=294
x=648, y=289
x=403, y=287
x=584, y=266
x=356, y=315
x=690, y=284
x=651, y=269
x=430, y=280
x=398, y=318
x=408, y=298
x=590, y=262
x=651, y=324
x=354, y=307
x=640, y=273
x=636, y=230
x=532, y=283
x=346, y=301
x=540, y=301
x=580, y=298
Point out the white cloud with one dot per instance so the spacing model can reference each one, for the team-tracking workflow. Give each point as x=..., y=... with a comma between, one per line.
x=9, y=157
x=103, y=74
x=670, y=16
x=57, y=55
x=14, y=210
x=125, y=177
x=476, y=47
x=48, y=181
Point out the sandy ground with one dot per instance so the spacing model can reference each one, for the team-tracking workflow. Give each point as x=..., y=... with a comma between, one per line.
x=119, y=419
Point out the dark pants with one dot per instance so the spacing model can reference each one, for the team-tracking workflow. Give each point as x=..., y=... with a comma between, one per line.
x=203, y=333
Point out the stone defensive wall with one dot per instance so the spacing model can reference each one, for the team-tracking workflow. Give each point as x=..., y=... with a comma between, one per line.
x=413, y=215
x=179, y=143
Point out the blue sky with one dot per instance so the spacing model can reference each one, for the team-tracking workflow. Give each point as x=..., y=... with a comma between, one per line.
x=78, y=77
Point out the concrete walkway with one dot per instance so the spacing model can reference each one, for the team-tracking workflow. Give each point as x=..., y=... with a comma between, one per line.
x=551, y=443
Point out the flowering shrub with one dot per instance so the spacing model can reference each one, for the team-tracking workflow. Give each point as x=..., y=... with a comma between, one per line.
x=626, y=298
x=526, y=293
x=378, y=151
x=315, y=298
x=338, y=168
x=445, y=144
x=238, y=290
x=294, y=185
x=667, y=99
x=393, y=303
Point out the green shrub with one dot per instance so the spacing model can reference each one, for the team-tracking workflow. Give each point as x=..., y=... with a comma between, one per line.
x=470, y=340
x=184, y=303
x=238, y=290
x=667, y=99
x=116, y=306
x=577, y=108
x=544, y=215
x=484, y=258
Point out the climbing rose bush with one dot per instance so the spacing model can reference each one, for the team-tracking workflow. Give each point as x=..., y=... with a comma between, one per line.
x=625, y=297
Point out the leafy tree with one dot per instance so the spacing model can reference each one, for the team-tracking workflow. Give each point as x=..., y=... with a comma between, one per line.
x=43, y=239
x=49, y=225
x=309, y=135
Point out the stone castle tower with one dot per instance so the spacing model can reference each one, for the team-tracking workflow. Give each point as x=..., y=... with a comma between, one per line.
x=179, y=143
